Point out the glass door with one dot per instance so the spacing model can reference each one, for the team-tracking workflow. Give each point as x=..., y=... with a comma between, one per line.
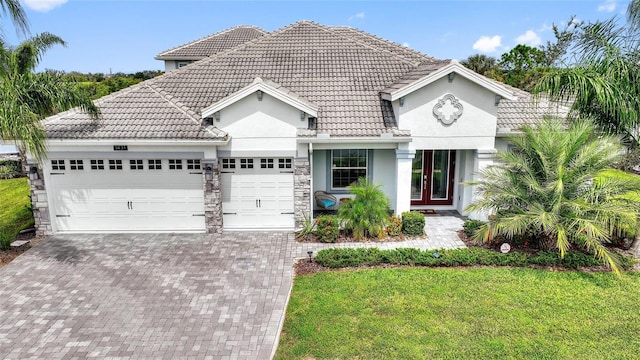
x=432, y=177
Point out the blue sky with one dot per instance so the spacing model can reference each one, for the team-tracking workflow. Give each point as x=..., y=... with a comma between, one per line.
x=125, y=35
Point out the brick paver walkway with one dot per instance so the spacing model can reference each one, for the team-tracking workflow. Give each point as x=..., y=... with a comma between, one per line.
x=157, y=295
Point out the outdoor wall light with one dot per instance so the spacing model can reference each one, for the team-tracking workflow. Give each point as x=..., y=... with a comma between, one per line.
x=34, y=171
x=259, y=95
x=310, y=255
x=208, y=172
x=303, y=116
x=217, y=115
x=451, y=76
x=401, y=101
x=498, y=98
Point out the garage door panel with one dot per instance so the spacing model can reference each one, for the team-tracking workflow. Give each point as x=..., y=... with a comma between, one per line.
x=128, y=200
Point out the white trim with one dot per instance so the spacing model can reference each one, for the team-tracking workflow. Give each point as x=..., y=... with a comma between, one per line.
x=454, y=67
x=358, y=140
x=101, y=142
x=259, y=84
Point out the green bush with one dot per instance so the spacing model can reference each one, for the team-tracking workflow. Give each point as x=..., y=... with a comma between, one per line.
x=10, y=169
x=327, y=228
x=395, y=226
x=366, y=214
x=342, y=257
x=412, y=223
x=470, y=226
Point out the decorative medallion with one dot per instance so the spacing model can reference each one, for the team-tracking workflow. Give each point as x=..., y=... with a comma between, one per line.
x=448, y=109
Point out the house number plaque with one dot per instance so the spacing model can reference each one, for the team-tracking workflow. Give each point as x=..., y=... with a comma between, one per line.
x=120, y=148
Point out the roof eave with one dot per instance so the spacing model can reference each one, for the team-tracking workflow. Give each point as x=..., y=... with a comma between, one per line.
x=454, y=67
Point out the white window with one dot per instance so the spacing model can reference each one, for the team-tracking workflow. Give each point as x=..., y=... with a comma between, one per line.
x=76, y=165
x=155, y=164
x=284, y=163
x=246, y=163
x=193, y=164
x=136, y=164
x=347, y=166
x=228, y=163
x=115, y=164
x=57, y=165
x=97, y=164
x=175, y=164
x=266, y=163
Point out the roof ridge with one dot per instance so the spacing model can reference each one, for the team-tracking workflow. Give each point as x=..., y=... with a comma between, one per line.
x=184, y=109
x=362, y=32
x=206, y=37
x=403, y=58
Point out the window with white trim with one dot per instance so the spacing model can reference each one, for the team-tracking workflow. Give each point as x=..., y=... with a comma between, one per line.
x=266, y=163
x=76, y=165
x=347, y=166
x=228, y=163
x=115, y=164
x=246, y=163
x=175, y=164
x=57, y=165
x=284, y=163
x=136, y=164
x=193, y=164
x=155, y=164
x=97, y=164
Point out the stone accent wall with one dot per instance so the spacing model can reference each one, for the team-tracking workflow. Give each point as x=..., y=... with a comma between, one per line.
x=39, y=202
x=212, y=198
x=301, y=190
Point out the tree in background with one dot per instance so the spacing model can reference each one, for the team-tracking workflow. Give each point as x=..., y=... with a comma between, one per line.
x=28, y=97
x=603, y=81
x=483, y=65
x=553, y=187
x=17, y=15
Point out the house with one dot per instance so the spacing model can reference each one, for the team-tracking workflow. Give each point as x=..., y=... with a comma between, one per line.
x=244, y=135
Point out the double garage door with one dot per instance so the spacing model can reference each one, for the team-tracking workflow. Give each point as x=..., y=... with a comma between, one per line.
x=166, y=195
x=120, y=195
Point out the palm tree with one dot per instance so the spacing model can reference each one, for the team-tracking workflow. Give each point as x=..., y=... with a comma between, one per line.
x=552, y=187
x=28, y=97
x=482, y=64
x=16, y=12
x=603, y=83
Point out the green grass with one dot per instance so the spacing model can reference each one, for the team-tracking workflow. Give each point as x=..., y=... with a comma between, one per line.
x=15, y=209
x=475, y=313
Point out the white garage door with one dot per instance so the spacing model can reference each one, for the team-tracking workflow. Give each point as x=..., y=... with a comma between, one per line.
x=257, y=193
x=120, y=195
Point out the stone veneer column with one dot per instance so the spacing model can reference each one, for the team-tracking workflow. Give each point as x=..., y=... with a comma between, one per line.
x=212, y=197
x=39, y=201
x=301, y=190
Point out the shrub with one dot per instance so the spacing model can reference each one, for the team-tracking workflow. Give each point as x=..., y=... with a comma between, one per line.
x=412, y=223
x=366, y=215
x=10, y=169
x=343, y=257
x=308, y=227
x=470, y=226
x=395, y=226
x=327, y=228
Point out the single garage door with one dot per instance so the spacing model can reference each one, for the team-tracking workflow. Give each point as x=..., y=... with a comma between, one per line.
x=257, y=193
x=121, y=195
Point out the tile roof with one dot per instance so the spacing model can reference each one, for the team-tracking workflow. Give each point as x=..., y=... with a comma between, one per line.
x=138, y=112
x=340, y=70
x=212, y=44
x=526, y=110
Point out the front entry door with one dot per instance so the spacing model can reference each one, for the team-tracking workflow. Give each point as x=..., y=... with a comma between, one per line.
x=432, y=177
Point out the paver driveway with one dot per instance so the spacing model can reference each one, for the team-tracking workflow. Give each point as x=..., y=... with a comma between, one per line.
x=146, y=296
x=159, y=295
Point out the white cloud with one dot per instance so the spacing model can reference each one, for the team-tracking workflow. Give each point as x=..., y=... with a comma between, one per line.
x=529, y=38
x=43, y=5
x=488, y=44
x=608, y=6
x=358, y=16
x=405, y=44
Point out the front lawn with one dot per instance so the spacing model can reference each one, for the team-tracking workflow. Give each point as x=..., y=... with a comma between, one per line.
x=15, y=208
x=474, y=313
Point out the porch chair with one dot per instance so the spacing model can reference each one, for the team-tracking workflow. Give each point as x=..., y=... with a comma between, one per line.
x=324, y=199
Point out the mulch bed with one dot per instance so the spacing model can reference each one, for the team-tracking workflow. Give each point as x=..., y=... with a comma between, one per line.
x=6, y=256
